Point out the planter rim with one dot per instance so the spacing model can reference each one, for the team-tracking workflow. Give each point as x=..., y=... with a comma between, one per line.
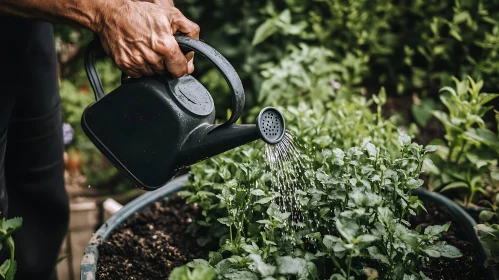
x=91, y=254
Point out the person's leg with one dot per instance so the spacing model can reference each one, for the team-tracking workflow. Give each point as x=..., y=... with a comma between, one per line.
x=34, y=164
x=6, y=104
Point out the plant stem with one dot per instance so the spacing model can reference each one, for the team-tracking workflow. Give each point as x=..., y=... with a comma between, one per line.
x=472, y=195
x=460, y=153
x=230, y=233
x=349, y=264
x=336, y=263
x=451, y=151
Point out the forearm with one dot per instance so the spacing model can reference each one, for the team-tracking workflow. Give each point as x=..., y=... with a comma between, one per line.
x=87, y=13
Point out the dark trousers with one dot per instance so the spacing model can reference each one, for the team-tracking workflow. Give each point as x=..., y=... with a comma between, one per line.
x=31, y=145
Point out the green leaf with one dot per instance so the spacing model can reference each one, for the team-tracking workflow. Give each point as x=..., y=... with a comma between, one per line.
x=347, y=230
x=251, y=249
x=482, y=228
x=414, y=183
x=329, y=241
x=4, y=268
x=404, y=140
x=423, y=112
x=12, y=271
x=266, y=222
x=264, y=200
x=484, y=136
x=486, y=215
x=337, y=276
x=185, y=194
x=456, y=35
x=12, y=224
x=241, y=275
x=214, y=258
x=366, y=238
x=265, y=30
x=225, y=221
x=432, y=253
x=225, y=173
x=371, y=149
x=203, y=273
x=437, y=229
x=257, y=192
x=410, y=239
x=455, y=185
x=377, y=255
x=198, y=262
x=485, y=98
x=290, y=265
x=430, y=148
x=461, y=17
x=495, y=176
x=449, y=251
x=382, y=96
x=262, y=268
x=224, y=266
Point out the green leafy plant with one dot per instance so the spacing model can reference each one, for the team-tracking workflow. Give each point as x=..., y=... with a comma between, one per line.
x=488, y=232
x=467, y=159
x=198, y=272
x=354, y=201
x=489, y=237
x=410, y=47
x=7, y=228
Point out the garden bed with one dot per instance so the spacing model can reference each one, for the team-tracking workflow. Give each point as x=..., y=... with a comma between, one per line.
x=152, y=242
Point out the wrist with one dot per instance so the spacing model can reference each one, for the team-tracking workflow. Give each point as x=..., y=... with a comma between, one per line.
x=100, y=11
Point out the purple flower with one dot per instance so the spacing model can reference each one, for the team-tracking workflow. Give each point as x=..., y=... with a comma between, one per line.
x=67, y=132
x=335, y=84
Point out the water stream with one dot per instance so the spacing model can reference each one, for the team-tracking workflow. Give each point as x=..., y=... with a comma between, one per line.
x=288, y=168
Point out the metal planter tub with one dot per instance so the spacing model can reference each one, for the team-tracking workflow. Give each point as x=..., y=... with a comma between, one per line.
x=91, y=255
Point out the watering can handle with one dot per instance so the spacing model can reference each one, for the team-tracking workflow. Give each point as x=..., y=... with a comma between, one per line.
x=220, y=62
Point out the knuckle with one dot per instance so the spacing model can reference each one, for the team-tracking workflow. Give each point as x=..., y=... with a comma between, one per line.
x=177, y=11
x=170, y=46
x=195, y=28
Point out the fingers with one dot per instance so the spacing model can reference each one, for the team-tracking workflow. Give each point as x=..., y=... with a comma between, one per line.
x=180, y=24
x=154, y=60
x=138, y=53
x=175, y=61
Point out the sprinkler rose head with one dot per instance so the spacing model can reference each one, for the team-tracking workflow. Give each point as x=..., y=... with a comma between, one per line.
x=271, y=125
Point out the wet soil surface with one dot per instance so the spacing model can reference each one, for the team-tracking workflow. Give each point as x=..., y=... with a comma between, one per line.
x=467, y=267
x=154, y=241
x=151, y=243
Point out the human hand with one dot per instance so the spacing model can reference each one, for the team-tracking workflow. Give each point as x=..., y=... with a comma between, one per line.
x=139, y=36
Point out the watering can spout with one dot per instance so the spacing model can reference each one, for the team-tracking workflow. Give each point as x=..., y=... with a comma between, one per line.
x=216, y=139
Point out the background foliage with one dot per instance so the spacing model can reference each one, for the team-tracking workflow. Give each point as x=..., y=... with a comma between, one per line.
x=285, y=49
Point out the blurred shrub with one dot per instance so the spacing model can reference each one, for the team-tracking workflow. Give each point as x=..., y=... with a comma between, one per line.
x=405, y=46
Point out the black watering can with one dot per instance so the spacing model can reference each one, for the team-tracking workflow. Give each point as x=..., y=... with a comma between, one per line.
x=152, y=127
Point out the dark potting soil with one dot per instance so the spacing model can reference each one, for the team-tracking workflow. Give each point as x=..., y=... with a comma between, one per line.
x=468, y=266
x=151, y=243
